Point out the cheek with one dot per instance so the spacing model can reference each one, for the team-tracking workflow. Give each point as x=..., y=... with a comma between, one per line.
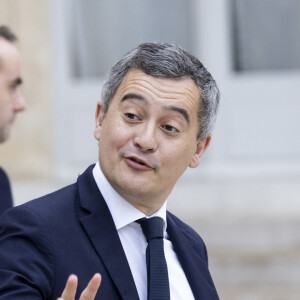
x=115, y=134
x=175, y=158
x=6, y=111
x=7, y=97
x=179, y=156
x=5, y=101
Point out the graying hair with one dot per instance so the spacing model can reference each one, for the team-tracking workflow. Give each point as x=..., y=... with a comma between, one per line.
x=166, y=60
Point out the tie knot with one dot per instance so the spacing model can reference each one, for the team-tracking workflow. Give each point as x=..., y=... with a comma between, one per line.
x=152, y=227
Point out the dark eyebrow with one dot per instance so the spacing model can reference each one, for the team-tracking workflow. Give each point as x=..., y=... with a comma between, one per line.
x=133, y=96
x=179, y=110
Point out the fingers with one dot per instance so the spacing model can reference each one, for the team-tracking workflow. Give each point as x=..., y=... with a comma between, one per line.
x=70, y=289
x=90, y=291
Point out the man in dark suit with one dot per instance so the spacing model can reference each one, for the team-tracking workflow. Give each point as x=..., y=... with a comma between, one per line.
x=11, y=101
x=6, y=201
x=155, y=119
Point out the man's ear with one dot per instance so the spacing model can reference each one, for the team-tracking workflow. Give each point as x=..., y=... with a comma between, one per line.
x=202, y=145
x=99, y=116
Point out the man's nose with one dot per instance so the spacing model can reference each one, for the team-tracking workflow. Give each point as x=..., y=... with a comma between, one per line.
x=20, y=103
x=145, y=138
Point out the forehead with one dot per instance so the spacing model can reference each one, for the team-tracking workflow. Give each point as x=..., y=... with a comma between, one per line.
x=182, y=90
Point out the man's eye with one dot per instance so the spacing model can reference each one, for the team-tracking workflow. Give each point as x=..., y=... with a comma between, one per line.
x=170, y=128
x=131, y=116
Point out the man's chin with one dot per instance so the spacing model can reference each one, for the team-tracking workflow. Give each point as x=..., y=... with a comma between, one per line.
x=135, y=186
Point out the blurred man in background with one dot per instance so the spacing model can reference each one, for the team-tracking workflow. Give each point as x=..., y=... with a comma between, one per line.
x=11, y=101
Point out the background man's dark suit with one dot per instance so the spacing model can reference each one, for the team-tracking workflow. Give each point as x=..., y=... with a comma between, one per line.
x=5, y=193
x=72, y=231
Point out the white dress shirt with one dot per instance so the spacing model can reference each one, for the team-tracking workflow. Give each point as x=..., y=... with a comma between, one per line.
x=134, y=242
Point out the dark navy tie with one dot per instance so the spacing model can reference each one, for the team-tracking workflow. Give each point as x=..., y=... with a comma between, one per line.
x=157, y=271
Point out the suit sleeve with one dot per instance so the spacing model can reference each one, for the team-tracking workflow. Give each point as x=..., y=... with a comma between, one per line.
x=26, y=256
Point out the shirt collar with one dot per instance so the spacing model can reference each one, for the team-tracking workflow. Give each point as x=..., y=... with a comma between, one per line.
x=123, y=213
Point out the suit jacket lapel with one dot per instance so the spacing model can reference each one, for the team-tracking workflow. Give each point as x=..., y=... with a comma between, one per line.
x=99, y=226
x=193, y=259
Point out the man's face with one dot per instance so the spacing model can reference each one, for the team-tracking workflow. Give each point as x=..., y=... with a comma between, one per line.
x=148, y=137
x=11, y=100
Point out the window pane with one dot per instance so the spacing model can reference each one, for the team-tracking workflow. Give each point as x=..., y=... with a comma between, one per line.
x=103, y=31
x=266, y=34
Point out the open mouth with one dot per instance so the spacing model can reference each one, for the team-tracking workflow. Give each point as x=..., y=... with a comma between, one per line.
x=138, y=161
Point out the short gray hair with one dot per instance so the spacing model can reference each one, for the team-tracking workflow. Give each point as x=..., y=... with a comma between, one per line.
x=166, y=60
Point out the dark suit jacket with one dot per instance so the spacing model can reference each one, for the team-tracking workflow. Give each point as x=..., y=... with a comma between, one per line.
x=5, y=193
x=72, y=231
